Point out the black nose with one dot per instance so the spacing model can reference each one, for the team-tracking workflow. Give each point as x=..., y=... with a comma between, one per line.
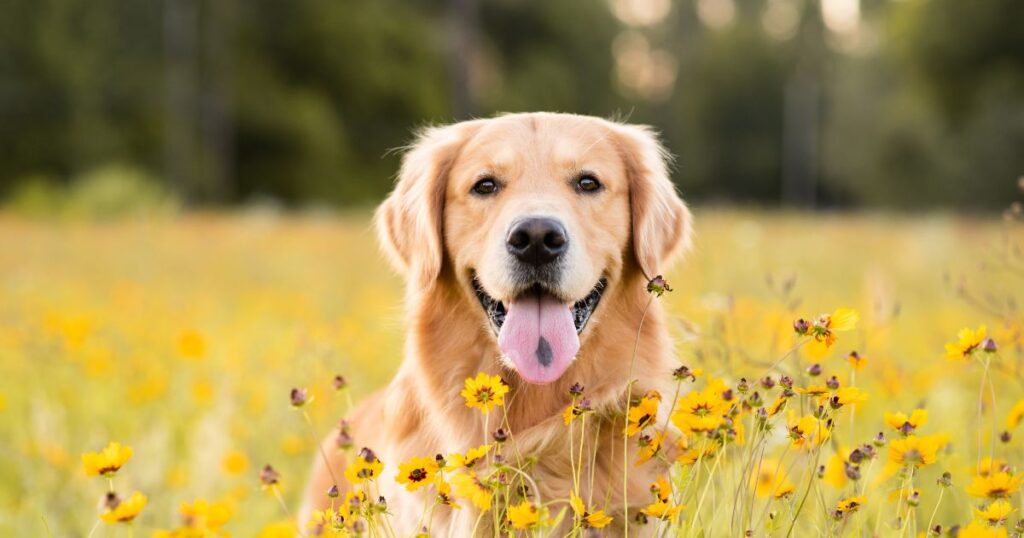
x=537, y=241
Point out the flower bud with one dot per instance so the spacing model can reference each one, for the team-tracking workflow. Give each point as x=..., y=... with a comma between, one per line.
x=767, y=382
x=989, y=345
x=339, y=382
x=658, y=285
x=801, y=326
x=299, y=397
x=814, y=370
x=879, y=439
x=832, y=383
x=269, y=476
x=500, y=435
x=333, y=492
x=742, y=387
x=575, y=390
x=946, y=480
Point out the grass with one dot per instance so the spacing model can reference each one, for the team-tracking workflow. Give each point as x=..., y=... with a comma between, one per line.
x=182, y=338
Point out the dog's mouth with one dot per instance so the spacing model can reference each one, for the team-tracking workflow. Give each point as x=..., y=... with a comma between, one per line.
x=538, y=332
x=581, y=310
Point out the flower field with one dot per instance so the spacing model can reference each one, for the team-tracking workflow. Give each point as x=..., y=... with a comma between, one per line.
x=840, y=376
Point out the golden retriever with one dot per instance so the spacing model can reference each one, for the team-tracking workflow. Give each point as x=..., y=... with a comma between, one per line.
x=526, y=241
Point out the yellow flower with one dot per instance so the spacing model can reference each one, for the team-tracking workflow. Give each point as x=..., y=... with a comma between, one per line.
x=995, y=486
x=916, y=451
x=850, y=396
x=661, y=488
x=444, y=493
x=776, y=406
x=770, y=480
x=643, y=414
x=416, y=473
x=365, y=467
x=995, y=513
x=824, y=328
x=808, y=431
x=108, y=461
x=979, y=530
x=234, y=462
x=701, y=411
x=835, y=470
x=126, y=510
x=468, y=486
x=525, y=515
x=850, y=505
x=485, y=392
x=988, y=466
x=813, y=390
x=597, y=519
x=967, y=343
x=649, y=446
x=191, y=345
x=904, y=424
x=202, y=514
x=326, y=520
x=856, y=360
x=471, y=458
x=1015, y=416
x=663, y=509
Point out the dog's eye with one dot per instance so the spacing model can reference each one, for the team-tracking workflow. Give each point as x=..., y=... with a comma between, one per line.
x=588, y=184
x=485, y=187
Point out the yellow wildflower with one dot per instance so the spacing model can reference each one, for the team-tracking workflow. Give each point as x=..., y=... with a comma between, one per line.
x=469, y=486
x=525, y=515
x=234, y=462
x=995, y=486
x=770, y=480
x=995, y=513
x=365, y=467
x=807, y=431
x=978, y=529
x=191, y=344
x=776, y=406
x=416, y=472
x=485, y=392
x=824, y=328
x=1015, y=416
x=701, y=411
x=126, y=510
x=850, y=505
x=988, y=466
x=470, y=458
x=650, y=445
x=967, y=343
x=202, y=514
x=108, y=461
x=597, y=519
x=904, y=424
x=444, y=493
x=643, y=414
x=850, y=396
x=663, y=509
x=915, y=450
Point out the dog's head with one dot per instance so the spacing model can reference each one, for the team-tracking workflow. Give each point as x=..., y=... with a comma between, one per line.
x=536, y=217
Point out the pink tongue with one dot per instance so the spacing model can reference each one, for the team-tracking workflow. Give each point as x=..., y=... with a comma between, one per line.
x=540, y=337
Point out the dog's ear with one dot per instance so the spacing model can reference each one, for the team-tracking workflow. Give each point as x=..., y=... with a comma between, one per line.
x=660, y=219
x=409, y=222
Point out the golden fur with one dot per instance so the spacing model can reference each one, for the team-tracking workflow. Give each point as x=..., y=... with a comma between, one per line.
x=436, y=234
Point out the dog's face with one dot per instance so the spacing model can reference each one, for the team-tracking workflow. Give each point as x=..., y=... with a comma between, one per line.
x=537, y=216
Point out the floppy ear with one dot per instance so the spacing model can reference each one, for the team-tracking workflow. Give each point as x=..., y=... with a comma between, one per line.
x=409, y=222
x=661, y=221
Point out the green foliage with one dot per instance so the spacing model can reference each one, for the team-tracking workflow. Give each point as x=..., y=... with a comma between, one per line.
x=302, y=101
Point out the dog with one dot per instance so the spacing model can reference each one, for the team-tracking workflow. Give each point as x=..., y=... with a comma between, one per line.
x=527, y=242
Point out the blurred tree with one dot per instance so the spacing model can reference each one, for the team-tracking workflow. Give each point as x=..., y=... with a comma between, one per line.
x=907, y=104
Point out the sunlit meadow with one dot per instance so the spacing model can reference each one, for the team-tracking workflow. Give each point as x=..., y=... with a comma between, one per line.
x=826, y=386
